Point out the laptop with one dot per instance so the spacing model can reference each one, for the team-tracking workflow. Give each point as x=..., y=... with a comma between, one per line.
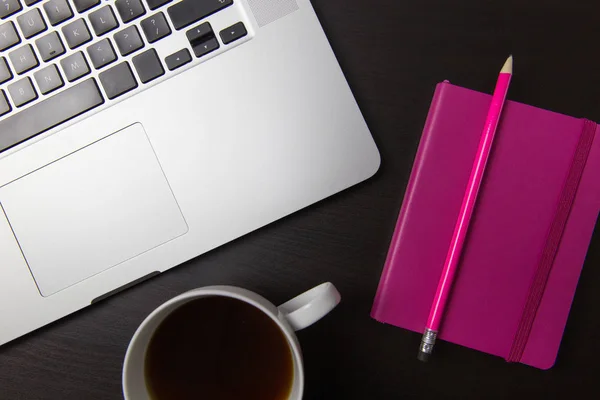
x=138, y=134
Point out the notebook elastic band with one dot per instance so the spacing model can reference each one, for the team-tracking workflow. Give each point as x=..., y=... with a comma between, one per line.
x=538, y=285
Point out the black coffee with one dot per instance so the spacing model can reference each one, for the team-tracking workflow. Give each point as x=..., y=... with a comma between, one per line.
x=218, y=348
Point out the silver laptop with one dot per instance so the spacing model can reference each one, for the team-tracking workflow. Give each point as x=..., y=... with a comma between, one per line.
x=137, y=134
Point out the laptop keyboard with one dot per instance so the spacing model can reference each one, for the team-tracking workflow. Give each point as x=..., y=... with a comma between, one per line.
x=60, y=59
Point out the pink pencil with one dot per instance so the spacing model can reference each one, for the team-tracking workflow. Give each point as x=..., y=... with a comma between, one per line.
x=466, y=211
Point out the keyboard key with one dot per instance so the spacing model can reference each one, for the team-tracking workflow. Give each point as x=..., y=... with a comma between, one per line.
x=76, y=33
x=178, y=59
x=148, y=66
x=5, y=74
x=4, y=106
x=84, y=5
x=31, y=2
x=48, y=79
x=199, y=32
x=31, y=23
x=50, y=46
x=202, y=39
x=155, y=27
x=22, y=92
x=8, y=36
x=75, y=66
x=23, y=59
x=130, y=9
x=206, y=47
x=233, y=33
x=57, y=11
x=101, y=53
x=9, y=7
x=103, y=20
x=128, y=40
x=154, y=4
x=50, y=112
x=118, y=80
x=187, y=12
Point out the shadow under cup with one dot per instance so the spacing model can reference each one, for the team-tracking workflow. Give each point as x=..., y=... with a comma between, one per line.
x=217, y=345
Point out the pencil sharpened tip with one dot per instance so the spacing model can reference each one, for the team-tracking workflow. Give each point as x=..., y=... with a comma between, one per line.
x=508, y=66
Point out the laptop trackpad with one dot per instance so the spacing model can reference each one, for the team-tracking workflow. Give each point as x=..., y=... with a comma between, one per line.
x=92, y=210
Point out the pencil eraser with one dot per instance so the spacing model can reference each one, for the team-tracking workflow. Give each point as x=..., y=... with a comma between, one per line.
x=423, y=356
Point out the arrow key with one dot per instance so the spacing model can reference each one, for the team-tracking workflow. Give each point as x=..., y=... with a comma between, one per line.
x=178, y=59
x=206, y=47
x=233, y=33
x=199, y=33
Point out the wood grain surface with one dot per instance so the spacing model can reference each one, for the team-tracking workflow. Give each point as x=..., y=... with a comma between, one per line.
x=393, y=52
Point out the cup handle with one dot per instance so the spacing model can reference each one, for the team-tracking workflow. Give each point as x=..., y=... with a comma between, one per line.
x=309, y=307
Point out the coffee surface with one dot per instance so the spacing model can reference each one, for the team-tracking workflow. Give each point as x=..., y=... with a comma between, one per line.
x=218, y=348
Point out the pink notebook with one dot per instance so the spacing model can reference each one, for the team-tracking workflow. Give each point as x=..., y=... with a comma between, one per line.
x=528, y=238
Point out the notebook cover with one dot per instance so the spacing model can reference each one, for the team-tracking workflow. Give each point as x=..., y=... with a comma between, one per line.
x=530, y=161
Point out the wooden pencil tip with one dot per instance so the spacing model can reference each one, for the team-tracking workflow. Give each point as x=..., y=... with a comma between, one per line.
x=508, y=66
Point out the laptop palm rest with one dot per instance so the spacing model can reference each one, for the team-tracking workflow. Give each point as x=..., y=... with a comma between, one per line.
x=92, y=210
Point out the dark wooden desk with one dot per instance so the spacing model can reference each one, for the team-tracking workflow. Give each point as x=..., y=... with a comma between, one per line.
x=393, y=53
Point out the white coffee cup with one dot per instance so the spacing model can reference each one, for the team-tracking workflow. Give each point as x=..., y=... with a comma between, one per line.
x=296, y=314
